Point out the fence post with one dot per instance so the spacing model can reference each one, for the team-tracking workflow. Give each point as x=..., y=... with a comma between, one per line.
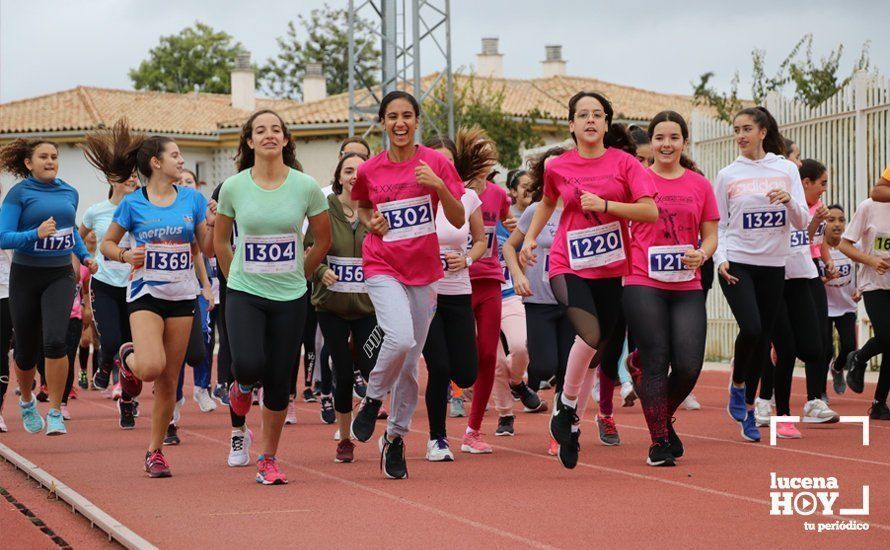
x=860, y=140
x=696, y=131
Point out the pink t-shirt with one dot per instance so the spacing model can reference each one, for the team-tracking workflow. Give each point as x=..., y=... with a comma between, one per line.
x=870, y=229
x=409, y=251
x=495, y=205
x=683, y=204
x=76, y=312
x=593, y=245
x=816, y=242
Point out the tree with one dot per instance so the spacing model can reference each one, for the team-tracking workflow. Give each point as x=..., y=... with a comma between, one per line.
x=327, y=42
x=724, y=104
x=197, y=56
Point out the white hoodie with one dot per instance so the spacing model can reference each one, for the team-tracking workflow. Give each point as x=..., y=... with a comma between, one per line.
x=751, y=230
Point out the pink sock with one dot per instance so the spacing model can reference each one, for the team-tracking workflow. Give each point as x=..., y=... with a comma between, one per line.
x=607, y=389
x=586, y=387
x=576, y=368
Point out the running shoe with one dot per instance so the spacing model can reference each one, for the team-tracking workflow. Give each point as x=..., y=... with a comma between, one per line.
x=628, y=394
x=365, y=419
x=328, y=414
x=156, y=464
x=837, y=380
x=55, y=424
x=239, y=448
x=172, y=437
x=128, y=381
x=545, y=385
x=267, y=471
x=879, y=411
x=515, y=394
x=505, y=426
x=106, y=393
x=82, y=380
x=72, y=394
x=116, y=392
x=291, y=417
x=568, y=454
x=127, y=419
x=392, y=457
x=383, y=415
x=474, y=444
x=177, y=410
x=101, y=379
x=457, y=408
x=64, y=410
x=736, y=407
x=359, y=386
x=531, y=403
x=221, y=394
x=855, y=372
x=749, y=427
x=308, y=396
x=345, y=451
x=608, y=430
x=691, y=403
x=3, y=428
x=817, y=412
x=762, y=412
x=676, y=444
x=31, y=419
x=552, y=447
x=239, y=400
x=42, y=395
x=787, y=430
x=660, y=454
x=438, y=450
x=205, y=402
x=561, y=422
x=824, y=397
x=135, y=408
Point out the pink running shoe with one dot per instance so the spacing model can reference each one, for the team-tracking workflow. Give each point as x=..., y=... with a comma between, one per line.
x=128, y=381
x=156, y=464
x=291, y=417
x=239, y=401
x=474, y=444
x=787, y=430
x=267, y=472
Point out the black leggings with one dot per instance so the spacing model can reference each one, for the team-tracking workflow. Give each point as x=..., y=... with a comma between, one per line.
x=112, y=320
x=72, y=341
x=5, y=341
x=671, y=327
x=877, y=305
x=754, y=301
x=195, y=352
x=337, y=331
x=594, y=308
x=450, y=355
x=40, y=300
x=550, y=337
x=261, y=339
x=309, y=355
x=224, y=356
x=846, y=336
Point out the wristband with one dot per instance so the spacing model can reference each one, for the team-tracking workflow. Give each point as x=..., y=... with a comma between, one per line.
x=606, y=209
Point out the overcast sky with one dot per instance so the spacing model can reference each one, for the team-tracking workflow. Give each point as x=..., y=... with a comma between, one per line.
x=52, y=45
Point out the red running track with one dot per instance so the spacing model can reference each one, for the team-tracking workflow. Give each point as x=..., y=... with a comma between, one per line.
x=718, y=495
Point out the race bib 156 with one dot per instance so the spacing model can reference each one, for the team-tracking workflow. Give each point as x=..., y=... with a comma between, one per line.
x=350, y=277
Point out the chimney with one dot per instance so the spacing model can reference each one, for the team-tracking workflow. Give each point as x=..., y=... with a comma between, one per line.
x=553, y=64
x=243, y=83
x=490, y=63
x=315, y=85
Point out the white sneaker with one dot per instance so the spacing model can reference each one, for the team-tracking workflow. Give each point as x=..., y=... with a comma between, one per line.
x=239, y=448
x=595, y=391
x=177, y=410
x=762, y=412
x=3, y=428
x=628, y=395
x=817, y=412
x=691, y=403
x=437, y=450
x=64, y=410
x=291, y=417
x=205, y=402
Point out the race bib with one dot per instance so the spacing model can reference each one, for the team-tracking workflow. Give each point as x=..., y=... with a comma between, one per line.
x=62, y=239
x=595, y=246
x=168, y=263
x=489, y=241
x=799, y=238
x=882, y=245
x=112, y=265
x=270, y=253
x=546, y=271
x=765, y=218
x=666, y=264
x=845, y=273
x=350, y=277
x=442, y=252
x=408, y=218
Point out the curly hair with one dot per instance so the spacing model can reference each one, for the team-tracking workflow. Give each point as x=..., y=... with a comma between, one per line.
x=536, y=171
x=245, y=158
x=14, y=155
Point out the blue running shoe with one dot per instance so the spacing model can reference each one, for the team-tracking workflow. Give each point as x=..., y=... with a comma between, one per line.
x=736, y=407
x=55, y=424
x=749, y=427
x=31, y=418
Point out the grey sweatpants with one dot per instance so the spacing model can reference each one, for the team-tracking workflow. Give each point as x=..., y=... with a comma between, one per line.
x=404, y=314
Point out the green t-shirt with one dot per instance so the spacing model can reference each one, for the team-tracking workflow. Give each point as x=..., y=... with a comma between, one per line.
x=268, y=258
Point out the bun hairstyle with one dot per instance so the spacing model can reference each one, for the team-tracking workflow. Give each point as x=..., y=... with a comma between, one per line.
x=118, y=152
x=245, y=157
x=773, y=142
x=673, y=116
x=810, y=168
x=476, y=153
x=14, y=155
x=536, y=171
x=616, y=134
x=336, y=186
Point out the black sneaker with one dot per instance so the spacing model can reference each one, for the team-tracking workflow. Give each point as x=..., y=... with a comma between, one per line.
x=308, y=396
x=221, y=394
x=568, y=454
x=82, y=380
x=365, y=419
x=127, y=420
x=879, y=411
x=135, y=409
x=837, y=379
x=530, y=400
x=392, y=457
x=505, y=426
x=359, y=386
x=660, y=454
x=855, y=373
x=674, y=440
x=328, y=414
x=561, y=422
x=172, y=437
x=101, y=378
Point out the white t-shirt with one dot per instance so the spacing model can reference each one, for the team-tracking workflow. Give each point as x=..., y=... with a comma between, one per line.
x=840, y=291
x=870, y=229
x=799, y=264
x=452, y=239
x=5, y=265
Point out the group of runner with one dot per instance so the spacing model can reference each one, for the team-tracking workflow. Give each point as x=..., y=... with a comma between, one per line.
x=588, y=272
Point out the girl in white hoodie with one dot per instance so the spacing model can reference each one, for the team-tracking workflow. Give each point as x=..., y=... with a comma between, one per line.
x=760, y=199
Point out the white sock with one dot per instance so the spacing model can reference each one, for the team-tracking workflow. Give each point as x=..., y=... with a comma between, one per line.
x=573, y=403
x=470, y=430
x=575, y=427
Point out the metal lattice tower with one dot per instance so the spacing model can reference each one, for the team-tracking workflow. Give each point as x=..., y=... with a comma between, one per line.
x=429, y=25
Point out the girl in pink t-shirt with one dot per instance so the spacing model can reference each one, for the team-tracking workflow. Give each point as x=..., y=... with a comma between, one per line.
x=663, y=299
x=602, y=188
x=398, y=192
